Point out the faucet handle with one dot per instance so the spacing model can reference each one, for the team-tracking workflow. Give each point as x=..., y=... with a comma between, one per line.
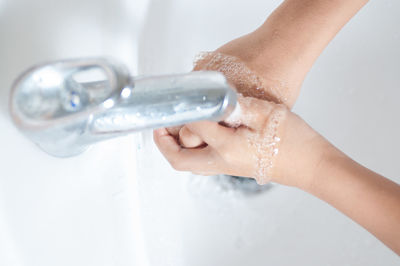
x=64, y=91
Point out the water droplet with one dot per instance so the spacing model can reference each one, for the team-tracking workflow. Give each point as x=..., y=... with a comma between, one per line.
x=75, y=100
x=126, y=92
x=108, y=103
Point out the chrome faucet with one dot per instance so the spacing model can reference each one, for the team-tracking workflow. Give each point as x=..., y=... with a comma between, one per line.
x=66, y=106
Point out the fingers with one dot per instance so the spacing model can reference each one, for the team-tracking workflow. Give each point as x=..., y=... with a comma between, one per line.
x=211, y=133
x=165, y=141
x=181, y=159
x=189, y=140
x=174, y=131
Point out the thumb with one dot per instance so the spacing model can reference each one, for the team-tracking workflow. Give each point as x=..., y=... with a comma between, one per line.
x=188, y=139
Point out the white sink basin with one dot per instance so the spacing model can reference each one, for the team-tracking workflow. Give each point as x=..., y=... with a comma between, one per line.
x=112, y=207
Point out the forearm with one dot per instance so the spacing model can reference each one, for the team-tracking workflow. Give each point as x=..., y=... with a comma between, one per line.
x=284, y=48
x=366, y=197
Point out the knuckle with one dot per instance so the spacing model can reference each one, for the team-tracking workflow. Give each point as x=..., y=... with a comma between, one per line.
x=176, y=167
x=174, y=131
x=177, y=164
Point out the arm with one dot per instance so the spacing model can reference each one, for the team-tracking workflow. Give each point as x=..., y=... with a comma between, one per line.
x=279, y=53
x=366, y=197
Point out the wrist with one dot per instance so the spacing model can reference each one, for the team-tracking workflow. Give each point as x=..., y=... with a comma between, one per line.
x=302, y=154
x=269, y=62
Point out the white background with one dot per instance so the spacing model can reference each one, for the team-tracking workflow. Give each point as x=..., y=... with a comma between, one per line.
x=121, y=204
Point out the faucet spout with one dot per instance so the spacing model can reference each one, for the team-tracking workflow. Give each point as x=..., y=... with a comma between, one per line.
x=66, y=106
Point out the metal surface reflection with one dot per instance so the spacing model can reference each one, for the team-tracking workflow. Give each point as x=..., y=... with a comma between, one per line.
x=65, y=106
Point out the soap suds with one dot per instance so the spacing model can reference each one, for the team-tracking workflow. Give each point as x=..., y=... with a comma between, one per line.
x=264, y=138
x=246, y=81
x=265, y=142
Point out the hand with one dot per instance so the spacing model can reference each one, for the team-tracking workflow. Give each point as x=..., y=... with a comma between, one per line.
x=271, y=144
